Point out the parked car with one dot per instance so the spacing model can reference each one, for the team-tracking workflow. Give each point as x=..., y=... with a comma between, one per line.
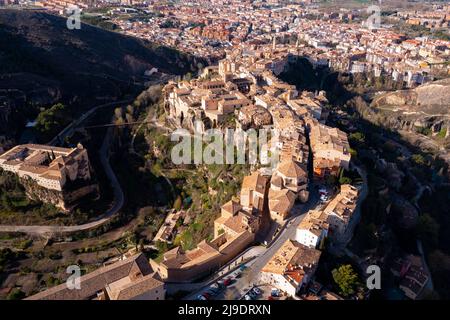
x=275, y=292
x=242, y=267
x=322, y=189
x=227, y=282
x=200, y=297
x=257, y=290
x=247, y=297
x=215, y=286
x=212, y=292
x=206, y=295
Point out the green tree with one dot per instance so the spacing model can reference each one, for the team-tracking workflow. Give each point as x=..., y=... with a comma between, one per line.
x=427, y=229
x=353, y=152
x=5, y=202
x=442, y=133
x=118, y=112
x=418, y=159
x=50, y=121
x=16, y=294
x=188, y=76
x=346, y=278
x=177, y=204
x=357, y=137
x=162, y=246
x=343, y=179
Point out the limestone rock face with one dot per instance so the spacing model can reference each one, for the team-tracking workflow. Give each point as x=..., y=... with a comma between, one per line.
x=65, y=200
x=418, y=114
x=430, y=98
x=435, y=93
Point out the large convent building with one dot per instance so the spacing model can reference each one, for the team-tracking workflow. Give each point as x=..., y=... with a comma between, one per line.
x=64, y=172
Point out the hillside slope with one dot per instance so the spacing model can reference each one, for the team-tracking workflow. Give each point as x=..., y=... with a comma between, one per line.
x=426, y=107
x=42, y=61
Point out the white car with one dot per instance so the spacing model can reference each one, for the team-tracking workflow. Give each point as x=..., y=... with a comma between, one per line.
x=247, y=297
x=257, y=290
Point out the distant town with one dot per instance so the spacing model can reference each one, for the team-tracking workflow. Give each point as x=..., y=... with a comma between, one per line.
x=309, y=228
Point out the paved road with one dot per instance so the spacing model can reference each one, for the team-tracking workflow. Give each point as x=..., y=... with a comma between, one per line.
x=238, y=289
x=68, y=131
x=230, y=267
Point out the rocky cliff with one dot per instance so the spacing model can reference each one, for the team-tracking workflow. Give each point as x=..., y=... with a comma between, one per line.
x=66, y=200
x=420, y=115
x=425, y=108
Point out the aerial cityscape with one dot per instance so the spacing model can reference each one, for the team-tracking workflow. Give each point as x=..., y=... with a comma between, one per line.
x=224, y=150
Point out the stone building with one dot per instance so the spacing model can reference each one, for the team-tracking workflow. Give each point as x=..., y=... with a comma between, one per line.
x=51, y=174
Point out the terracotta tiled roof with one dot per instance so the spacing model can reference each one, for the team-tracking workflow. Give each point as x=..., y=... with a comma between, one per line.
x=292, y=255
x=231, y=207
x=281, y=201
x=97, y=280
x=289, y=168
x=135, y=288
x=255, y=182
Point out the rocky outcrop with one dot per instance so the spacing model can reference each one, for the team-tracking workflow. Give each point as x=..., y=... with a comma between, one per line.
x=435, y=93
x=65, y=200
x=420, y=115
x=426, y=107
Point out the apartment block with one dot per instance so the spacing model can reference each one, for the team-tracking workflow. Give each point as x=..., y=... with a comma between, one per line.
x=291, y=268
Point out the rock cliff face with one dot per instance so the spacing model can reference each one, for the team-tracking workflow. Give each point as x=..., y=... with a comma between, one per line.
x=420, y=115
x=436, y=94
x=425, y=107
x=65, y=200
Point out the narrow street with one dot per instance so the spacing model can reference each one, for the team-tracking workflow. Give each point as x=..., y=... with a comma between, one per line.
x=254, y=266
